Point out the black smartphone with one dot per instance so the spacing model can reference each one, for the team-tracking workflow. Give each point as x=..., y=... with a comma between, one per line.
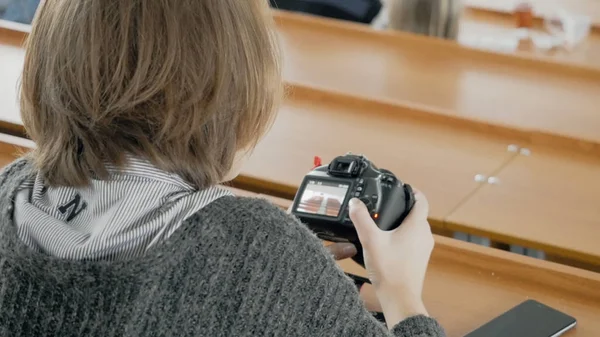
x=528, y=319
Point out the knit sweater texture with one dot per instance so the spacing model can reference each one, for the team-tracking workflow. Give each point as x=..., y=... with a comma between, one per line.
x=238, y=267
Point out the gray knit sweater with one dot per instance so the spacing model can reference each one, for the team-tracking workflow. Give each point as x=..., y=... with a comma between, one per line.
x=238, y=267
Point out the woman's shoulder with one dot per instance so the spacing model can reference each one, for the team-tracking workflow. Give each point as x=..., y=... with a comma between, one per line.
x=253, y=230
x=257, y=216
x=251, y=236
x=13, y=175
x=19, y=169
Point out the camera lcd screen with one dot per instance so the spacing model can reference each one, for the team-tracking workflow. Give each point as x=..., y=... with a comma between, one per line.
x=323, y=198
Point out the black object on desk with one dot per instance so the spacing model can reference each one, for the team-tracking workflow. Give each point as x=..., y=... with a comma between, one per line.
x=363, y=11
x=528, y=319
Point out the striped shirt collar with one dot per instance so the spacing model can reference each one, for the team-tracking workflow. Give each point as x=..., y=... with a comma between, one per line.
x=121, y=217
x=142, y=168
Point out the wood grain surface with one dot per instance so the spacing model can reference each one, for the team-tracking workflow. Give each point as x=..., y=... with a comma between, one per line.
x=440, y=76
x=547, y=200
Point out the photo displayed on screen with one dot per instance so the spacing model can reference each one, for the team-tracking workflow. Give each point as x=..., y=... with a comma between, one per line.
x=20, y=11
x=323, y=198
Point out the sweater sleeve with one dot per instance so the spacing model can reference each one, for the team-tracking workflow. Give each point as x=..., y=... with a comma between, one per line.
x=318, y=297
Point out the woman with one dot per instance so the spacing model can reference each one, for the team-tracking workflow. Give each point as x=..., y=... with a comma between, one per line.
x=115, y=224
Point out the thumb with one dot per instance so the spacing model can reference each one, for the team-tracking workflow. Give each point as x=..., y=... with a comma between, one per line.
x=365, y=226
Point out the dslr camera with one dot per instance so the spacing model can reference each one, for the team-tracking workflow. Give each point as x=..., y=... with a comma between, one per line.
x=322, y=200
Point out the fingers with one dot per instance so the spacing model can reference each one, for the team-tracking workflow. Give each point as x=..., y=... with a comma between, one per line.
x=341, y=251
x=365, y=226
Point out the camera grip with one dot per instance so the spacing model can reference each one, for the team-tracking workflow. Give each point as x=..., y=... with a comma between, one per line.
x=400, y=203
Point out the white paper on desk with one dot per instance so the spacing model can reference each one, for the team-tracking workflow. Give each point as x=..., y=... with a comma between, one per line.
x=570, y=28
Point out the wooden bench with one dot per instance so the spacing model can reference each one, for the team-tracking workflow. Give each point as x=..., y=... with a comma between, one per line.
x=440, y=77
x=547, y=200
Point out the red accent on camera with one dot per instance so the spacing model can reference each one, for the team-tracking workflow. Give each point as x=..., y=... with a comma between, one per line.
x=317, y=162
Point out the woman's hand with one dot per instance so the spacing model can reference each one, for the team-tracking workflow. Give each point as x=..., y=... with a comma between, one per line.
x=396, y=260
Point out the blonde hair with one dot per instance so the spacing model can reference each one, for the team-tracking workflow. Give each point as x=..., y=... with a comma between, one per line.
x=426, y=17
x=183, y=83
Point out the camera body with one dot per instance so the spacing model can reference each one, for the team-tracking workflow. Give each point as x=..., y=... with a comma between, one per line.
x=322, y=200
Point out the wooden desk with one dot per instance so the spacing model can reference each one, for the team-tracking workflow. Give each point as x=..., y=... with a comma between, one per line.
x=440, y=76
x=468, y=285
x=542, y=8
x=548, y=201
x=436, y=157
